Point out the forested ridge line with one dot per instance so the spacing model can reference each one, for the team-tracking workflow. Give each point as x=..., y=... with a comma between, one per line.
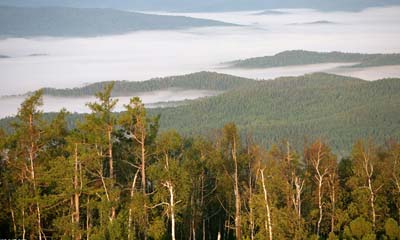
x=194, y=81
x=302, y=57
x=88, y=22
x=339, y=109
x=118, y=177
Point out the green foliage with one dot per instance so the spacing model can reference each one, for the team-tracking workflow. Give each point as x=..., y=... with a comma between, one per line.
x=75, y=22
x=157, y=229
x=338, y=109
x=360, y=229
x=191, y=180
x=392, y=229
x=301, y=57
x=199, y=81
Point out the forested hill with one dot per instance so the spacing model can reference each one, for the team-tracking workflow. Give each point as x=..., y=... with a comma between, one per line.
x=74, y=22
x=119, y=177
x=198, y=81
x=339, y=109
x=301, y=57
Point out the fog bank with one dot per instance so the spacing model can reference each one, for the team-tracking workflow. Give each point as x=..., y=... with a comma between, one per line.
x=9, y=105
x=142, y=55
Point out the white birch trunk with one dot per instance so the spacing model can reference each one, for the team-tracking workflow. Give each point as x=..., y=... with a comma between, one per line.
x=268, y=223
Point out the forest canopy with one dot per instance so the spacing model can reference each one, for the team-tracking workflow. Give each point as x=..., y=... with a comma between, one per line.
x=119, y=177
x=301, y=57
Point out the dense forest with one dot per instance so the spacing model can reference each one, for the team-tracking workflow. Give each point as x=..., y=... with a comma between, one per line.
x=339, y=109
x=88, y=22
x=198, y=81
x=301, y=57
x=119, y=177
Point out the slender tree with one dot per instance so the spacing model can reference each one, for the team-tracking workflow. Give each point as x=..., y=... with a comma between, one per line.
x=102, y=121
x=232, y=145
x=319, y=158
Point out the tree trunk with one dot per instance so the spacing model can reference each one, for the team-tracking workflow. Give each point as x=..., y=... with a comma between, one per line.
x=139, y=134
x=77, y=190
x=143, y=165
x=32, y=152
x=130, y=207
x=299, y=184
x=202, y=206
x=319, y=205
x=204, y=229
x=268, y=223
x=319, y=178
x=372, y=201
x=110, y=152
x=88, y=224
x=13, y=217
x=369, y=171
x=238, y=230
x=111, y=163
x=193, y=217
x=332, y=179
x=172, y=207
x=23, y=224
x=251, y=217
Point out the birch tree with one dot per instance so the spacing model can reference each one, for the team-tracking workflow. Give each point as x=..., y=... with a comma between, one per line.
x=170, y=178
x=319, y=159
x=232, y=147
x=366, y=168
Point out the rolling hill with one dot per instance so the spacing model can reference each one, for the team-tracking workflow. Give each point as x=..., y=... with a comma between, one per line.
x=336, y=108
x=301, y=57
x=74, y=22
x=340, y=109
x=197, y=81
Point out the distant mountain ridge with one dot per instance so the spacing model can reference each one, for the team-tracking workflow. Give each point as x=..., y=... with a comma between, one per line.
x=302, y=57
x=193, y=81
x=74, y=22
x=339, y=109
x=206, y=5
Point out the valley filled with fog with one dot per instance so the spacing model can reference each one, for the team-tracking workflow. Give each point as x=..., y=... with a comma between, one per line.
x=161, y=98
x=72, y=62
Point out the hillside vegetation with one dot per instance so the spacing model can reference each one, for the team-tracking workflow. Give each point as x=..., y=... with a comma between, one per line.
x=340, y=109
x=337, y=108
x=198, y=81
x=301, y=57
x=118, y=177
x=74, y=22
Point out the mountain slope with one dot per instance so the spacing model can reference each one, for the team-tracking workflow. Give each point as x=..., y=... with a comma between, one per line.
x=71, y=22
x=197, y=81
x=337, y=108
x=301, y=57
x=318, y=105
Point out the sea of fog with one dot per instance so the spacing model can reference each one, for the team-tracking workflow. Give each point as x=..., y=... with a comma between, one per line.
x=9, y=105
x=138, y=56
